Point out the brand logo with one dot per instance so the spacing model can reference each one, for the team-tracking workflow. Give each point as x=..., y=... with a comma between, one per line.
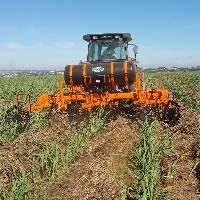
x=97, y=69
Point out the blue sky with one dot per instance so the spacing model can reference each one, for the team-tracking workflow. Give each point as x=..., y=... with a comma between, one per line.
x=47, y=34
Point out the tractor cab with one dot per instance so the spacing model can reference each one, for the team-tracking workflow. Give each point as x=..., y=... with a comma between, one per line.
x=109, y=47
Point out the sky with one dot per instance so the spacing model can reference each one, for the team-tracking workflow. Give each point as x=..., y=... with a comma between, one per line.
x=48, y=34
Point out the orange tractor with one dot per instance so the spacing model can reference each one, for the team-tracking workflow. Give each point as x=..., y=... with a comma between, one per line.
x=108, y=78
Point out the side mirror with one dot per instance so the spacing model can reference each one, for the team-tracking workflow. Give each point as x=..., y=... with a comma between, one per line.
x=135, y=49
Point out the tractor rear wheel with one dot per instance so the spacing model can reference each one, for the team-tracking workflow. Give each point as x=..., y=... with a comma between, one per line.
x=142, y=82
x=140, y=71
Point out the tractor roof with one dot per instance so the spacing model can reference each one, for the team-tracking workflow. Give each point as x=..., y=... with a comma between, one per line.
x=108, y=36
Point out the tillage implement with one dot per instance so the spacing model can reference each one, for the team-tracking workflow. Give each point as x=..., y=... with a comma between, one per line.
x=109, y=77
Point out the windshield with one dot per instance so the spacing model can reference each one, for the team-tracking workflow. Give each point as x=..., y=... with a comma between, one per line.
x=106, y=50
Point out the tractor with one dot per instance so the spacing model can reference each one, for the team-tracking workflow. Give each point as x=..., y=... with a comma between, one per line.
x=109, y=78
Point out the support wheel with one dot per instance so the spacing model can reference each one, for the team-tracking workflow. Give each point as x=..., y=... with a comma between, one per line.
x=171, y=113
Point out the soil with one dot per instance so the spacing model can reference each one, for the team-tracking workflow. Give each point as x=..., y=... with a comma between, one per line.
x=184, y=180
x=100, y=172
x=94, y=174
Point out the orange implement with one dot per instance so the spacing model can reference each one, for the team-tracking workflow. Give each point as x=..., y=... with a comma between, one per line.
x=77, y=94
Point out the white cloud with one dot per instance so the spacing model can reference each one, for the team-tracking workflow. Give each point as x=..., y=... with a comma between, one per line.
x=13, y=45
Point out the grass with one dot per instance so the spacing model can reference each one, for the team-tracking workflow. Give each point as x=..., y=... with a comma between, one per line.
x=146, y=163
x=48, y=160
x=20, y=186
x=35, y=86
x=55, y=157
x=10, y=129
x=182, y=95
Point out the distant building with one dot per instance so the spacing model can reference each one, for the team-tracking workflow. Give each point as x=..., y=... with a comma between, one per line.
x=162, y=68
x=51, y=72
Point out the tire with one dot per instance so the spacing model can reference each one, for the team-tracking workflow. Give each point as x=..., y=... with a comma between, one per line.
x=140, y=71
x=142, y=82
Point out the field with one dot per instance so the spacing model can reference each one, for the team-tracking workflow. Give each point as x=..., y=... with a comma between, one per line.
x=112, y=156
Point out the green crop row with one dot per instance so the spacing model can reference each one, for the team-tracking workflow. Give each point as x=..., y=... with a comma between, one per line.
x=32, y=85
x=178, y=92
x=9, y=88
x=150, y=80
x=53, y=161
x=146, y=163
x=189, y=80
